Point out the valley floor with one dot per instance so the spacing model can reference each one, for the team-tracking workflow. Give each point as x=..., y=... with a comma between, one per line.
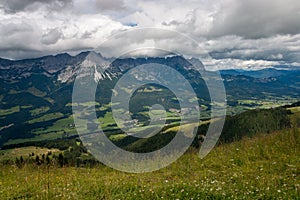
x=263, y=167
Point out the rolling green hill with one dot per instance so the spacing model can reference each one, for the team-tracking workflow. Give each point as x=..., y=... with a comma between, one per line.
x=265, y=166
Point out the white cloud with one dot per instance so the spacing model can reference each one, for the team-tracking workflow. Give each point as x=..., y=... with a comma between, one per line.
x=32, y=34
x=229, y=63
x=263, y=32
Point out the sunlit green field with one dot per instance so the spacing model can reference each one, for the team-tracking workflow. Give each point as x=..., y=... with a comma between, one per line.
x=264, y=167
x=12, y=154
x=9, y=111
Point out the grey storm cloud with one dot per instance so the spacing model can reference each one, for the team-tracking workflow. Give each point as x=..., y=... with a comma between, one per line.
x=14, y=35
x=13, y=6
x=13, y=28
x=283, y=48
x=248, y=19
x=246, y=54
x=256, y=18
x=114, y=5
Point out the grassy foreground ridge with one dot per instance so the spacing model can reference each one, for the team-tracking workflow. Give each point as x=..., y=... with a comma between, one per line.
x=262, y=167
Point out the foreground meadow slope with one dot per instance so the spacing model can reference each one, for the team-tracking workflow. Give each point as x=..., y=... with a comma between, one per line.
x=266, y=166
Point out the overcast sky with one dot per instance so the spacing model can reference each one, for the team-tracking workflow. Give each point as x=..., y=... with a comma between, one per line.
x=236, y=33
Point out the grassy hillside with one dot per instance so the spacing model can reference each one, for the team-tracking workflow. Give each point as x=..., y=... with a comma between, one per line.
x=262, y=167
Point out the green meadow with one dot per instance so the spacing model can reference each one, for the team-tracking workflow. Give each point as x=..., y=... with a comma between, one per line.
x=262, y=167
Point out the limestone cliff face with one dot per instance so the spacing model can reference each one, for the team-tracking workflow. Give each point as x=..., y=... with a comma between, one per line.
x=94, y=65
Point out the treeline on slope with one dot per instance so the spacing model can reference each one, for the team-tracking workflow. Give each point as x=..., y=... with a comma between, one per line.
x=72, y=153
x=236, y=127
x=253, y=122
x=246, y=124
x=296, y=104
x=61, y=144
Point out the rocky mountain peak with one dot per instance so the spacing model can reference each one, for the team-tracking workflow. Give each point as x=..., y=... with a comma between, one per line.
x=93, y=64
x=95, y=59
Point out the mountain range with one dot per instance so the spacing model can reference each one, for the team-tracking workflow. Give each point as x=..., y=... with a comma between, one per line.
x=36, y=93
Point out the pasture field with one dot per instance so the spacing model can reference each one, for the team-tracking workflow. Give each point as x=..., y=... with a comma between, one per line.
x=46, y=117
x=9, y=111
x=24, y=152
